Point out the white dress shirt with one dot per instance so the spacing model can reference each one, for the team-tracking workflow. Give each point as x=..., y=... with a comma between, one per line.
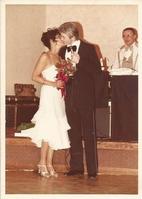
x=68, y=54
x=127, y=57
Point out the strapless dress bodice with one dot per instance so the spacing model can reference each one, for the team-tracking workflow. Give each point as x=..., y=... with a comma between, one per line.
x=50, y=73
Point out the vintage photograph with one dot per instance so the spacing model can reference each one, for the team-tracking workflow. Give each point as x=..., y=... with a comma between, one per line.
x=69, y=98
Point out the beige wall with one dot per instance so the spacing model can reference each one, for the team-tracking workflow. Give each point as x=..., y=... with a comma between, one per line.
x=102, y=25
x=24, y=25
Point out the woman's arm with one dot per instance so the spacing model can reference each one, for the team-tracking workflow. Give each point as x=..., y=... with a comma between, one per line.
x=37, y=72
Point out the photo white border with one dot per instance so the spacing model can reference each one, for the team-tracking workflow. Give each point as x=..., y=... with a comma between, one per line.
x=3, y=4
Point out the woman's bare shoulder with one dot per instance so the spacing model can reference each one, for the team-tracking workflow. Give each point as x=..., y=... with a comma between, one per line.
x=44, y=56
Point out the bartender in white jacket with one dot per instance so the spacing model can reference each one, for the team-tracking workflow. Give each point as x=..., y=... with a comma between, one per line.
x=127, y=55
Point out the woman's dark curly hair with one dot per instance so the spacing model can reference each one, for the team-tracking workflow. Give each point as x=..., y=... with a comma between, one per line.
x=49, y=35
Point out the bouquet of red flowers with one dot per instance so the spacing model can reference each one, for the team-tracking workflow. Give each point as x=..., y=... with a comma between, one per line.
x=65, y=70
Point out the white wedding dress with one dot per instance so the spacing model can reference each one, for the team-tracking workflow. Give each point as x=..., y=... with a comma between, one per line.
x=50, y=120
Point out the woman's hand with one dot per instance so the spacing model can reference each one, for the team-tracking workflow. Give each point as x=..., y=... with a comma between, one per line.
x=59, y=84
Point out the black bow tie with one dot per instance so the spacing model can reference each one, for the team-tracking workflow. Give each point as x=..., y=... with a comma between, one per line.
x=69, y=48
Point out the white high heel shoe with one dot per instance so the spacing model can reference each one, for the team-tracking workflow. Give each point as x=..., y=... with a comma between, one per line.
x=42, y=170
x=51, y=171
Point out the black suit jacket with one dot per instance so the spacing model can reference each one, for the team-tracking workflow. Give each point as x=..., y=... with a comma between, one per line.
x=81, y=89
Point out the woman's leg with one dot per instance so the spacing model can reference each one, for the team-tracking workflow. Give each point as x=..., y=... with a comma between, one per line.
x=43, y=153
x=50, y=156
x=50, y=162
x=42, y=169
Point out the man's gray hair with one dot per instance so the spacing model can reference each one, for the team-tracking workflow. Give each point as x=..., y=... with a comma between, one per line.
x=70, y=28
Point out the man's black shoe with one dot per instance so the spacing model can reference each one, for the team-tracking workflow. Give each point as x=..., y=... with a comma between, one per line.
x=92, y=176
x=74, y=172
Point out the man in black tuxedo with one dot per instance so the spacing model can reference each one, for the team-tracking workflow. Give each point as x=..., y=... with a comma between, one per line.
x=80, y=100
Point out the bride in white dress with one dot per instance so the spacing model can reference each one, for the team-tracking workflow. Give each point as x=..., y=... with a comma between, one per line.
x=50, y=130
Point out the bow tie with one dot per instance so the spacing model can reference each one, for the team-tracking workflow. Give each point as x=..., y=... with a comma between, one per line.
x=69, y=48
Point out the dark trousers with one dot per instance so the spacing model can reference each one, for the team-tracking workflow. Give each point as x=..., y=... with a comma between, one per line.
x=82, y=128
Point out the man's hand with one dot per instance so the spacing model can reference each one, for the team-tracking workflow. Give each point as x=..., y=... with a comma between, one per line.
x=75, y=57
